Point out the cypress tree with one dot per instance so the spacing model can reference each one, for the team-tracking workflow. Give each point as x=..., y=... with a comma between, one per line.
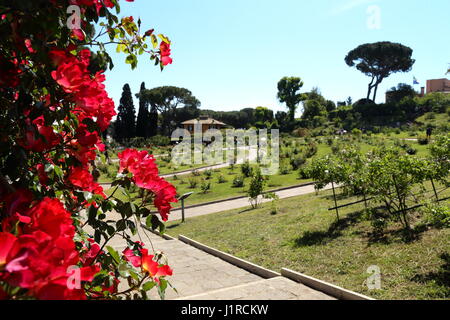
x=143, y=116
x=153, y=122
x=125, y=124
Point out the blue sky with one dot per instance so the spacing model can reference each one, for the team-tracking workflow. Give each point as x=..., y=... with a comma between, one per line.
x=232, y=53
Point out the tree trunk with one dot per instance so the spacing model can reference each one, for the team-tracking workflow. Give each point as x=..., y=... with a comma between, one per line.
x=369, y=91
x=375, y=92
x=370, y=88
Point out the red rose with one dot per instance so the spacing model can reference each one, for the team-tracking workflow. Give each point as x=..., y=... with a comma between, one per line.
x=164, y=49
x=83, y=179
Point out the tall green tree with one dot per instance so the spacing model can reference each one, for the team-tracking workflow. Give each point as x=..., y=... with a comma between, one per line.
x=263, y=117
x=142, y=122
x=314, y=108
x=288, y=88
x=166, y=100
x=330, y=106
x=152, y=121
x=379, y=60
x=396, y=94
x=125, y=127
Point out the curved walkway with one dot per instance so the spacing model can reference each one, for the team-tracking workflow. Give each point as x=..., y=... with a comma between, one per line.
x=238, y=203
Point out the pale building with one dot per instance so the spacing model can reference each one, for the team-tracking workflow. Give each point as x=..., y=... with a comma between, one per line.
x=206, y=123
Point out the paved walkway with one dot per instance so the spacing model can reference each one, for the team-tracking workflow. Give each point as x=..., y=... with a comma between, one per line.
x=238, y=203
x=201, y=210
x=252, y=155
x=198, y=275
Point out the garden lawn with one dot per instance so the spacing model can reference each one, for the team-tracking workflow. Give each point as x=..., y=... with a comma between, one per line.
x=221, y=190
x=305, y=237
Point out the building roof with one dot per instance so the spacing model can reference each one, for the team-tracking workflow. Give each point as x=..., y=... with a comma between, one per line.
x=203, y=120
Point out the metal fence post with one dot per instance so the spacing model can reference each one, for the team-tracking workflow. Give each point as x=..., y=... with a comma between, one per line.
x=335, y=201
x=434, y=189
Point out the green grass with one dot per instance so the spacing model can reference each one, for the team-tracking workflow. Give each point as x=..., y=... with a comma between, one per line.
x=434, y=119
x=305, y=237
x=222, y=190
x=226, y=190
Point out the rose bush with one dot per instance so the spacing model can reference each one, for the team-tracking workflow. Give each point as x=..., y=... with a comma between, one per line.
x=55, y=219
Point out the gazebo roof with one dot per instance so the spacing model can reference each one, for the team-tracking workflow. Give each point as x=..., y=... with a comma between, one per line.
x=203, y=120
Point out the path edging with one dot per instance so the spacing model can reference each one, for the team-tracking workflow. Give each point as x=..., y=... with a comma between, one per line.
x=258, y=270
x=242, y=197
x=328, y=288
x=163, y=235
x=165, y=175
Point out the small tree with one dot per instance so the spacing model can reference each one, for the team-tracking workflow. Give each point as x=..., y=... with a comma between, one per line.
x=392, y=177
x=256, y=187
x=440, y=158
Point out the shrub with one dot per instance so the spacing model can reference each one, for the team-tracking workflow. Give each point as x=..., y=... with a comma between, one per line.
x=166, y=159
x=303, y=173
x=103, y=168
x=301, y=132
x=311, y=150
x=356, y=132
x=329, y=141
x=136, y=142
x=437, y=215
x=158, y=140
x=205, y=186
x=410, y=150
x=430, y=116
x=297, y=162
x=208, y=174
x=193, y=183
x=285, y=168
x=422, y=140
x=54, y=108
x=221, y=179
x=238, y=182
x=246, y=169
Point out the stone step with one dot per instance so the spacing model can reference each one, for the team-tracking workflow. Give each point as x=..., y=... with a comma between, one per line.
x=277, y=288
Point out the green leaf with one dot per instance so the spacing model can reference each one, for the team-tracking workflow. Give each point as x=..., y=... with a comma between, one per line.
x=134, y=275
x=154, y=41
x=162, y=227
x=92, y=213
x=121, y=225
x=113, y=253
x=164, y=38
x=148, y=285
x=121, y=48
x=58, y=171
x=148, y=221
x=97, y=236
x=111, y=230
